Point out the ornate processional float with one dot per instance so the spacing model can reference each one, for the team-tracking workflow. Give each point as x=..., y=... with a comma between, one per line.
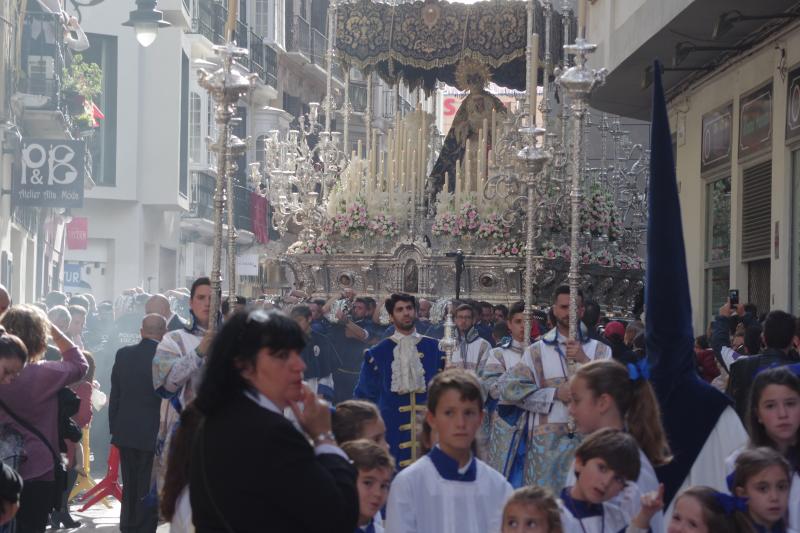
x=509, y=209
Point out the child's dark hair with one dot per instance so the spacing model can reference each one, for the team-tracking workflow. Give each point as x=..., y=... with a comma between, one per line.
x=750, y=463
x=758, y=433
x=349, y=418
x=714, y=514
x=543, y=500
x=754, y=460
x=12, y=347
x=180, y=451
x=454, y=379
x=366, y=455
x=636, y=402
x=617, y=448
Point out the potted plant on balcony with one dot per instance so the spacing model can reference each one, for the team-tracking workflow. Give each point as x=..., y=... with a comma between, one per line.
x=82, y=83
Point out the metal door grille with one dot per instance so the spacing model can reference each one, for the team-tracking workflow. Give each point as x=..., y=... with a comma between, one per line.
x=756, y=211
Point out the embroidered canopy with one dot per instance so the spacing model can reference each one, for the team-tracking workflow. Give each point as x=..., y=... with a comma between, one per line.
x=421, y=42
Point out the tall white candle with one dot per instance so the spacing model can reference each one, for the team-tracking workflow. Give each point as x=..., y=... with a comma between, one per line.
x=534, y=76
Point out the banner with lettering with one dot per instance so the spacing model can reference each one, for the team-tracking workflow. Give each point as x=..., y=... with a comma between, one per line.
x=78, y=233
x=716, y=143
x=793, y=105
x=51, y=173
x=755, y=121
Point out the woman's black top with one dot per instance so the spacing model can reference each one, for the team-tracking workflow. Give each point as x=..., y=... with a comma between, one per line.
x=261, y=475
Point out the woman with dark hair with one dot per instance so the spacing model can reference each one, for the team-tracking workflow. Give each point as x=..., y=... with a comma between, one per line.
x=251, y=469
x=30, y=405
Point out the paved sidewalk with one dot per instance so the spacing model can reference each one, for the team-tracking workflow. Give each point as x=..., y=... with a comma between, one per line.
x=101, y=519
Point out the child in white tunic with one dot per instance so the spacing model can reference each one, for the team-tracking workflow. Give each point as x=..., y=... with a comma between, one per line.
x=532, y=509
x=773, y=416
x=604, y=463
x=375, y=469
x=449, y=490
x=607, y=394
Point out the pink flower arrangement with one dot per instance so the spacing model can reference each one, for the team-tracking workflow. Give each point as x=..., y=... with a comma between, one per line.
x=472, y=220
x=353, y=218
x=494, y=227
x=318, y=245
x=630, y=262
x=449, y=223
x=552, y=251
x=509, y=249
x=383, y=225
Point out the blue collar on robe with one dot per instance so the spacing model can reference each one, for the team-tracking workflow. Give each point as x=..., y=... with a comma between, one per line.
x=448, y=467
x=369, y=528
x=580, y=509
x=551, y=337
x=779, y=527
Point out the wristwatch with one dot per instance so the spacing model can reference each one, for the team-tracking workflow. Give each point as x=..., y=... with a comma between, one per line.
x=324, y=438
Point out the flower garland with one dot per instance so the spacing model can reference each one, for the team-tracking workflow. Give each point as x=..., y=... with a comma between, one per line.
x=494, y=227
x=383, y=225
x=472, y=220
x=509, y=249
x=449, y=224
x=318, y=245
x=352, y=219
x=596, y=213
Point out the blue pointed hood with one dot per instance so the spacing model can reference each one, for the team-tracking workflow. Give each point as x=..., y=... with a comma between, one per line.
x=668, y=331
x=668, y=319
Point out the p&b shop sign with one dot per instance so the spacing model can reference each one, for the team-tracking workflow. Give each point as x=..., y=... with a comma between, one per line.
x=51, y=173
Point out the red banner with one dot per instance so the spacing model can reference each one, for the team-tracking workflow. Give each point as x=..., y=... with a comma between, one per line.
x=258, y=214
x=78, y=233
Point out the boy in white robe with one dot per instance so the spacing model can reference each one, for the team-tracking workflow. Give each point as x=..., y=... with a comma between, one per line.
x=449, y=490
x=604, y=463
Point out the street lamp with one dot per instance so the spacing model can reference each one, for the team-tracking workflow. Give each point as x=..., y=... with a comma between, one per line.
x=146, y=20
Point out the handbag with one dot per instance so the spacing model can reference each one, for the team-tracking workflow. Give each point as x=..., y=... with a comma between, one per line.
x=59, y=468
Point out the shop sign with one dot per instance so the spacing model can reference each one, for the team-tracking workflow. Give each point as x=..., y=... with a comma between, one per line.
x=755, y=121
x=793, y=105
x=51, y=173
x=716, y=144
x=78, y=233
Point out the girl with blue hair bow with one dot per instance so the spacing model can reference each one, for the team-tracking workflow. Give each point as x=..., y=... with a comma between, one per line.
x=606, y=394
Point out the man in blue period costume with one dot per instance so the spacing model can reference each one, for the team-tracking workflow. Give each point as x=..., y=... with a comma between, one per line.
x=699, y=438
x=539, y=385
x=395, y=375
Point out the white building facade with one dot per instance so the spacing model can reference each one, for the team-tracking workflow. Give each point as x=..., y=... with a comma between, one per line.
x=733, y=90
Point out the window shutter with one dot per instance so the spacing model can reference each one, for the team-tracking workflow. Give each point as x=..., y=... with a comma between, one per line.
x=756, y=211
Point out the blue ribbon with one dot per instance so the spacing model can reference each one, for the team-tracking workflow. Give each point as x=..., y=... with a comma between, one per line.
x=639, y=370
x=731, y=504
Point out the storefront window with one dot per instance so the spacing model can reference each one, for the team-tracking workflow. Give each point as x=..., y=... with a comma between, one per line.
x=718, y=244
x=717, y=286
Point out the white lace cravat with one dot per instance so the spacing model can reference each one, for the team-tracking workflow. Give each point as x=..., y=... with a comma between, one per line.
x=408, y=374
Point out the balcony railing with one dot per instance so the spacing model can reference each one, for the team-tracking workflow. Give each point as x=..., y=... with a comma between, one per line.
x=271, y=66
x=25, y=217
x=298, y=38
x=44, y=58
x=257, y=56
x=203, y=205
x=210, y=23
x=358, y=96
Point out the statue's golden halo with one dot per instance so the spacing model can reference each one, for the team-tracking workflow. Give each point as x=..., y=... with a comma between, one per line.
x=472, y=75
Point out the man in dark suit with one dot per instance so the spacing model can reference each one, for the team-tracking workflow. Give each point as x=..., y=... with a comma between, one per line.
x=133, y=414
x=779, y=330
x=159, y=305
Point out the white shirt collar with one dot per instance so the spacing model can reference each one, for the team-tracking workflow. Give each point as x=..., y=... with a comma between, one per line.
x=263, y=401
x=397, y=335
